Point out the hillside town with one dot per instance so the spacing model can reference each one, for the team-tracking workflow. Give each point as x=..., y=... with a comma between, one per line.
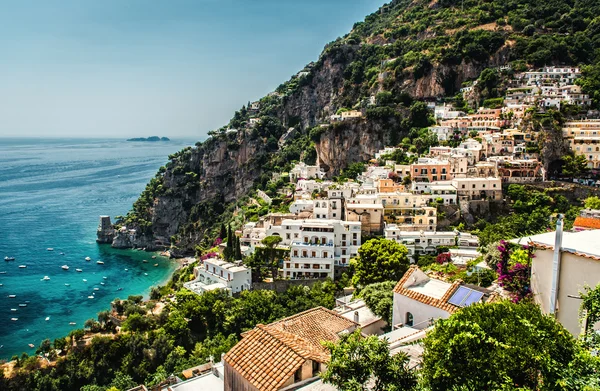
x=416, y=205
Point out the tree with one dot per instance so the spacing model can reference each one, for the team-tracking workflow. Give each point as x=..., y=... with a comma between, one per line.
x=592, y=202
x=379, y=297
x=238, y=249
x=357, y=361
x=379, y=260
x=496, y=346
x=229, y=250
x=575, y=166
x=271, y=242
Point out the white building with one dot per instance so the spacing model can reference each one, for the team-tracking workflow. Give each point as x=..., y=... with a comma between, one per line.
x=304, y=171
x=576, y=264
x=299, y=206
x=478, y=188
x=385, y=151
x=420, y=242
x=219, y=274
x=419, y=299
x=317, y=245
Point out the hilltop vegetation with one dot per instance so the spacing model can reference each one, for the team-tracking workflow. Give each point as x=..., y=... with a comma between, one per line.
x=404, y=52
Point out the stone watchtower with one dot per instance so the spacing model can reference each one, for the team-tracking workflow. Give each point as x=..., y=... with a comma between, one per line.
x=105, y=232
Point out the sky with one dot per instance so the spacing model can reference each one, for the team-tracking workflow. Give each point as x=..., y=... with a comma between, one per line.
x=134, y=68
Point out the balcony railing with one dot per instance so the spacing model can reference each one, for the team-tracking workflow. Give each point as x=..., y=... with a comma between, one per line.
x=330, y=244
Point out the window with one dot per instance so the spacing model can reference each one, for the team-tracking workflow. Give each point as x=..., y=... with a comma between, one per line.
x=494, y=185
x=313, y=254
x=327, y=266
x=296, y=265
x=343, y=236
x=409, y=319
x=295, y=253
x=324, y=254
x=343, y=251
x=473, y=186
x=355, y=236
x=304, y=254
x=483, y=185
x=287, y=236
x=296, y=235
x=287, y=265
x=463, y=186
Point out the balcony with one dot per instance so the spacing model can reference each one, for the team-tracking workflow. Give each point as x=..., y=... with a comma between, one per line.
x=305, y=244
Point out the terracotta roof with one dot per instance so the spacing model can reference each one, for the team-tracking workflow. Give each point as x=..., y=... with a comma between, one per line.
x=432, y=301
x=268, y=355
x=587, y=222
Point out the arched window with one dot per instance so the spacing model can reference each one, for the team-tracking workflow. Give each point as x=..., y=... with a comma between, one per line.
x=409, y=319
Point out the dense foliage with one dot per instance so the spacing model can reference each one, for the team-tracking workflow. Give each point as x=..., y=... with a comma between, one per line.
x=363, y=363
x=379, y=260
x=183, y=335
x=501, y=346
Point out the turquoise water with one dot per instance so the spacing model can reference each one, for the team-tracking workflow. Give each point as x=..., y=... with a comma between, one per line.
x=51, y=194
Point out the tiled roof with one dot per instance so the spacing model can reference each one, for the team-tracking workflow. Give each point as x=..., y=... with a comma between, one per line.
x=441, y=303
x=587, y=222
x=268, y=355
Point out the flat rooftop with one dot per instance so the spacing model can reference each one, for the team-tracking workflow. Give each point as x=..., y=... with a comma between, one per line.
x=432, y=288
x=585, y=242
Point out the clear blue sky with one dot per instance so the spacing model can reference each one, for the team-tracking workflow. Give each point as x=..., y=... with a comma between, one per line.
x=121, y=68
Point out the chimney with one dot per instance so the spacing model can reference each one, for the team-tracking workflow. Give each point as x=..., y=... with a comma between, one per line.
x=556, y=265
x=356, y=317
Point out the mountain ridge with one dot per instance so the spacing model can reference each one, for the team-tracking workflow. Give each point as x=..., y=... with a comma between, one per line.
x=405, y=53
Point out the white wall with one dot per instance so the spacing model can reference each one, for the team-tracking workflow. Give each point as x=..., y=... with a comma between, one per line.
x=421, y=312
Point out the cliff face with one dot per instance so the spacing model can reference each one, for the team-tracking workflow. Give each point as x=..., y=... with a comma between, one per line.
x=409, y=50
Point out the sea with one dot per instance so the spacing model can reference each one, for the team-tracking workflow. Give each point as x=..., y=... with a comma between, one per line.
x=52, y=192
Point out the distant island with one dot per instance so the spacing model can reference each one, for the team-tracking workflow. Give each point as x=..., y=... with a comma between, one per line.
x=152, y=138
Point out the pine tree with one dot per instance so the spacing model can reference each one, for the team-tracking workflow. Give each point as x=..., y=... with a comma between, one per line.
x=223, y=232
x=238, y=249
x=229, y=250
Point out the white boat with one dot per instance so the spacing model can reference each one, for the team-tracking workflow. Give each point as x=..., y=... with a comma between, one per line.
x=105, y=278
x=22, y=305
x=13, y=309
x=90, y=297
x=72, y=323
x=1, y=284
x=22, y=266
x=47, y=318
x=62, y=253
x=100, y=283
x=145, y=274
x=156, y=264
x=46, y=278
x=126, y=269
x=14, y=319
x=96, y=289
x=50, y=249
x=31, y=345
x=154, y=257
x=145, y=261
x=67, y=284
x=84, y=280
x=9, y=259
x=2, y=272
x=100, y=263
x=65, y=267
x=12, y=296
x=78, y=270
x=88, y=258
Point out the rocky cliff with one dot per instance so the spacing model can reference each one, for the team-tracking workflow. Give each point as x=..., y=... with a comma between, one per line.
x=409, y=50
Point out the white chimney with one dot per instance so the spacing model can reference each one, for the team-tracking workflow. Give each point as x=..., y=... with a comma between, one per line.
x=556, y=265
x=356, y=316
